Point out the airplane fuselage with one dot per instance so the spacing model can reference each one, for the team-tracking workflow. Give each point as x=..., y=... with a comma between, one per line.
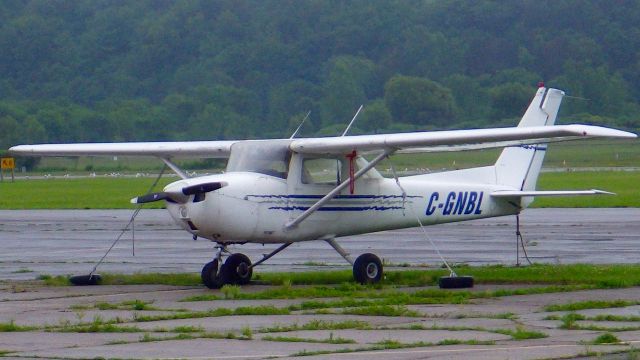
x=255, y=207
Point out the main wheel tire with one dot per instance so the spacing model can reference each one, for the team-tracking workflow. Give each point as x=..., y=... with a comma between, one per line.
x=455, y=282
x=237, y=269
x=210, y=276
x=367, y=269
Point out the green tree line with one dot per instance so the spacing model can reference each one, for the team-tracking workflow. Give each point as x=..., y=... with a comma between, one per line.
x=103, y=70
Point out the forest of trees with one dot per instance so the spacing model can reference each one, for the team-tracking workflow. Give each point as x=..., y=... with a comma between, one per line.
x=105, y=70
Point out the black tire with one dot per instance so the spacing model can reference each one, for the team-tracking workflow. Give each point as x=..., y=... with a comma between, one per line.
x=237, y=270
x=84, y=280
x=210, y=277
x=367, y=269
x=455, y=282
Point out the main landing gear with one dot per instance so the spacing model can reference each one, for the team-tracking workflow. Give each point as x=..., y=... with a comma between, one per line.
x=367, y=269
x=237, y=268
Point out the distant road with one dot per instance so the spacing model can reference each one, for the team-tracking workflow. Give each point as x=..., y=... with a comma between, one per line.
x=71, y=241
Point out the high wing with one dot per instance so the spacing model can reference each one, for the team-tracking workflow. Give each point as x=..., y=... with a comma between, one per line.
x=454, y=140
x=208, y=149
x=433, y=141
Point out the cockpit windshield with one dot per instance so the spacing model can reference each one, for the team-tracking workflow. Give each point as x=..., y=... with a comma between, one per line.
x=269, y=158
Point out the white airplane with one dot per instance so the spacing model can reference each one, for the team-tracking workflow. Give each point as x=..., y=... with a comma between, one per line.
x=289, y=190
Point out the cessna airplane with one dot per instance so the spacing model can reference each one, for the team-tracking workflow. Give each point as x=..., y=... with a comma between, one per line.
x=289, y=190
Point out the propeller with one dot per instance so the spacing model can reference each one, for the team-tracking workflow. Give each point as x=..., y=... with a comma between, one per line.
x=202, y=188
x=180, y=196
x=151, y=197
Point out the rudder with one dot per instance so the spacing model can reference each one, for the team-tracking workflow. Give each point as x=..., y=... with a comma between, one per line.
x=519, y=166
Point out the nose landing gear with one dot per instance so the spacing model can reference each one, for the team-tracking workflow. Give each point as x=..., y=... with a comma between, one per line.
x=236, y=270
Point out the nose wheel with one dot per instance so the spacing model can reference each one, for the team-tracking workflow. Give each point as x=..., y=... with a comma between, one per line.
x=236, y=270
x=210, y=276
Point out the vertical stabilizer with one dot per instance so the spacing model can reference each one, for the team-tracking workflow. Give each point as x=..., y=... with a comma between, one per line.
x=519, y=166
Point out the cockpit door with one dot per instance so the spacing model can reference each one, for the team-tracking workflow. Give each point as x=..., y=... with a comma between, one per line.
x=310, y=179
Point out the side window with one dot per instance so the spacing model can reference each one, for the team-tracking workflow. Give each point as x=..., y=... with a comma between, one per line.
x=325, y=171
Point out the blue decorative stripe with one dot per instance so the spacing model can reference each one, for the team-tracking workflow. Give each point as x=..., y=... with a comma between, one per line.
x=534, y=147
x=336, y=197
x=338, y=208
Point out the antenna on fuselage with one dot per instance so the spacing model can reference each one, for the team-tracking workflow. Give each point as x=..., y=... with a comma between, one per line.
x=300, y=126
x=352, y=121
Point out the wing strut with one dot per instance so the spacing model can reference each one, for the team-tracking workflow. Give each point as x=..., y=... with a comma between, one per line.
x=174, y=167
x=293, y=223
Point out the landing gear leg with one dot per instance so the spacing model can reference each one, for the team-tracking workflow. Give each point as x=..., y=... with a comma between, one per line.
x=367, y=269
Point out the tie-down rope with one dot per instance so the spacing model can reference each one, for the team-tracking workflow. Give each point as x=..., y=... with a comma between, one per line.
x=133, y=217
x=422, y=227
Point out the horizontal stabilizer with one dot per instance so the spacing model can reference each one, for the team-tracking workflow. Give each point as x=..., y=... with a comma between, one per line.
x=517, y=193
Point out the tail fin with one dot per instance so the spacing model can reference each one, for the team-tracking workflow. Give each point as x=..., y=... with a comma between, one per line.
x=519, y=166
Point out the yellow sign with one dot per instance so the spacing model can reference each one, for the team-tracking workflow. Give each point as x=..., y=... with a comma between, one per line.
x=8, y=163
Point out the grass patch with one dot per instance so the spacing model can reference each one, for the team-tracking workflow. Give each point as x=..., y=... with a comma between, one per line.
x=146, y=337
x=602, y=276
x=22, y=271
x=253, y=310
x=329, y=340
x=173, y=279
x=84, y=193
x=394, y=344
x=306, y=278
x=569, y=321
x=137, y=305
x=591, y=304
x=319, y=325
x=378, y=301
x=382, y=310
x=505, y=315
x=247, y=333
x=434, y=327
x=614, y=181
x=98, y=325
x=187, y=329
x=606, y=338
x=54, y=280
x=340, y=283
x=521, y=334
x=230, y=291
x=12, y=327
x=614, y=318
